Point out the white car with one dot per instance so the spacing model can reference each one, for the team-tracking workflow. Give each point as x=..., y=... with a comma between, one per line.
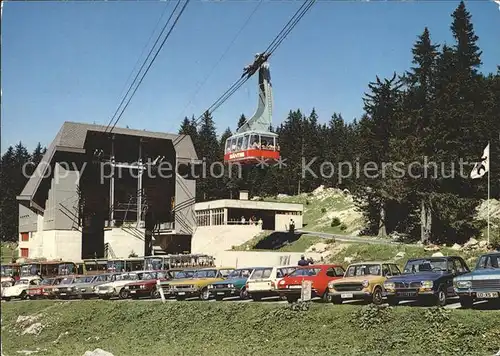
x=263, y=282
x=116, y=288
x=19, y=289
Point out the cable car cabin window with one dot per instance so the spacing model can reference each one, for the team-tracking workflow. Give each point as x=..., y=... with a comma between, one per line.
x=239, y=144
x=254, y=142
x=233, y=144
x=267, y=143
x=228, y=145
x=245, y=142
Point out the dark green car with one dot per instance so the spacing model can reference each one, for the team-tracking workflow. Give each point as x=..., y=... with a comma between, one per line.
x=232, y=286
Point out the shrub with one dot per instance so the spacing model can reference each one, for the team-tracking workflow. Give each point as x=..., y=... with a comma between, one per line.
x=323, y=210
x=335, y=222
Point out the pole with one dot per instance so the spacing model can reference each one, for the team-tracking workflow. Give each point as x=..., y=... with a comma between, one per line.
x=489, y=172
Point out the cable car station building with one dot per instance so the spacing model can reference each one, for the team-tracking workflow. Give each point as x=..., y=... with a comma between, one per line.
x=221, y=224
x=99, y=194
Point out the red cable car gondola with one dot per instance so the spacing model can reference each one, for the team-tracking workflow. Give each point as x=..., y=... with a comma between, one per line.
x=253, y=142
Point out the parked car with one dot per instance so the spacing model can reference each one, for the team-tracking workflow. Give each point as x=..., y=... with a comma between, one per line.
x=147, y=286
x=116, y=286
x=290, y=287
x=41, y=290
x=481, y=284
x=67, y=287
x=19, y=289
x=263, y=282
x=364, y=280
x=197, y=286
x=234, y=285
x=176, y=274
x=428, y=280
x=88, y=289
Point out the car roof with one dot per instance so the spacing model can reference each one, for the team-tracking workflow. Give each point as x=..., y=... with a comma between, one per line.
x=432, y=258
x=374, y=263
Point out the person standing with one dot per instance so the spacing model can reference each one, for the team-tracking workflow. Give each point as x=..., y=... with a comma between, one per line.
x=303, y=261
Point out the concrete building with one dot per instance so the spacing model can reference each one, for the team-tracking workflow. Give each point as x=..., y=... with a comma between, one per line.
x=221, y=224
x=109, y=194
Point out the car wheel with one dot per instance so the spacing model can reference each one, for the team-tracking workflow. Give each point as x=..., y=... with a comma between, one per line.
x=336, y=300
x=23, y=295
x=466, y=302
x=326, y=298
x=441, y=297
x=392, y=301
x=205, y=294
x=155, y=294
x=291, y=299
x=7, y=299
x=377, y=297
x=123, y=294
x=243, y=293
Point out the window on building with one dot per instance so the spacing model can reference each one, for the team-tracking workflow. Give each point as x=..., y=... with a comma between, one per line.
x=24, y=252
x=25, y=236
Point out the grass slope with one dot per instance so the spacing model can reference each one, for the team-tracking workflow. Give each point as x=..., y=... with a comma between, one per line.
x=204, y=328
x=322, y=205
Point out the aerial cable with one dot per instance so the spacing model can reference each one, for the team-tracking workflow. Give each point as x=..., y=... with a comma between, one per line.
x=140, y=56
x=152, y=61
x=272, y=47
x=143, y=64
x=245, y=24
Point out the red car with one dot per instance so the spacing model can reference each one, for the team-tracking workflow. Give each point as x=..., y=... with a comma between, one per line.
x=146, y=287
x=44, y=289
x=290, y=287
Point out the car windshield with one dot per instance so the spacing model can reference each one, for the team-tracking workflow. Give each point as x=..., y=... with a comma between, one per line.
x=67, y=280
x=363, y=270
x=262, y=273
x=47, y=282
x=427, y=265
x=146, y=276
x=126, y=277
x=21, y=281
x=86, y=279
x=489, y=261
x=183, y=274
x=240, y=273
x=305, y=272
x=210, y=273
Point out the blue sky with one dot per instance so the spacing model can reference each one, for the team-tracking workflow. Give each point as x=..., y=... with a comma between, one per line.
x=69, y=61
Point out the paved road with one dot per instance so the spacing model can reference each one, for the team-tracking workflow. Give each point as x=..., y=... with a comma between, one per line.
x=348, y=238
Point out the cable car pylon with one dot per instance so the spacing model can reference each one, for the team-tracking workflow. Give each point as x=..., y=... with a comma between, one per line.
x=254, y=142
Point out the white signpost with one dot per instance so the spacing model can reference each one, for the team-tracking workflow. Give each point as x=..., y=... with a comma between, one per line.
x=306, y=291
x=160, y=289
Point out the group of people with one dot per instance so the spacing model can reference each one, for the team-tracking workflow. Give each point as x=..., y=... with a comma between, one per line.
x=252, y=221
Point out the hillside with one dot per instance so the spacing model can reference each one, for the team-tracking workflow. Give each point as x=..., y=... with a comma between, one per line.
x=226, y=328
x=323, y=205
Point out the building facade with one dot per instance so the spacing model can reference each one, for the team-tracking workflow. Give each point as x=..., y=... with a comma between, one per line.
x=109, y=194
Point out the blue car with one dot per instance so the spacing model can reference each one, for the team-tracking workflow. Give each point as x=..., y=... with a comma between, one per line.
x=232, y=286
x=481, y=284
x=428, y=280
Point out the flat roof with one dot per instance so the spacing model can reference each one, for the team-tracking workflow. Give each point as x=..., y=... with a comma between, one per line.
x=247, y=204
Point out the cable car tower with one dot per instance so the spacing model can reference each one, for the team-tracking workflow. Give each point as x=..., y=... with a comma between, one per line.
x=254, y=141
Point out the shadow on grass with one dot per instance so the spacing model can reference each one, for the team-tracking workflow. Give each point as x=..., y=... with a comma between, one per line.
x=277, y=240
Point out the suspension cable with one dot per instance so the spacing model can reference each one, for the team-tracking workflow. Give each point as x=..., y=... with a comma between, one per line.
x=151, y=63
